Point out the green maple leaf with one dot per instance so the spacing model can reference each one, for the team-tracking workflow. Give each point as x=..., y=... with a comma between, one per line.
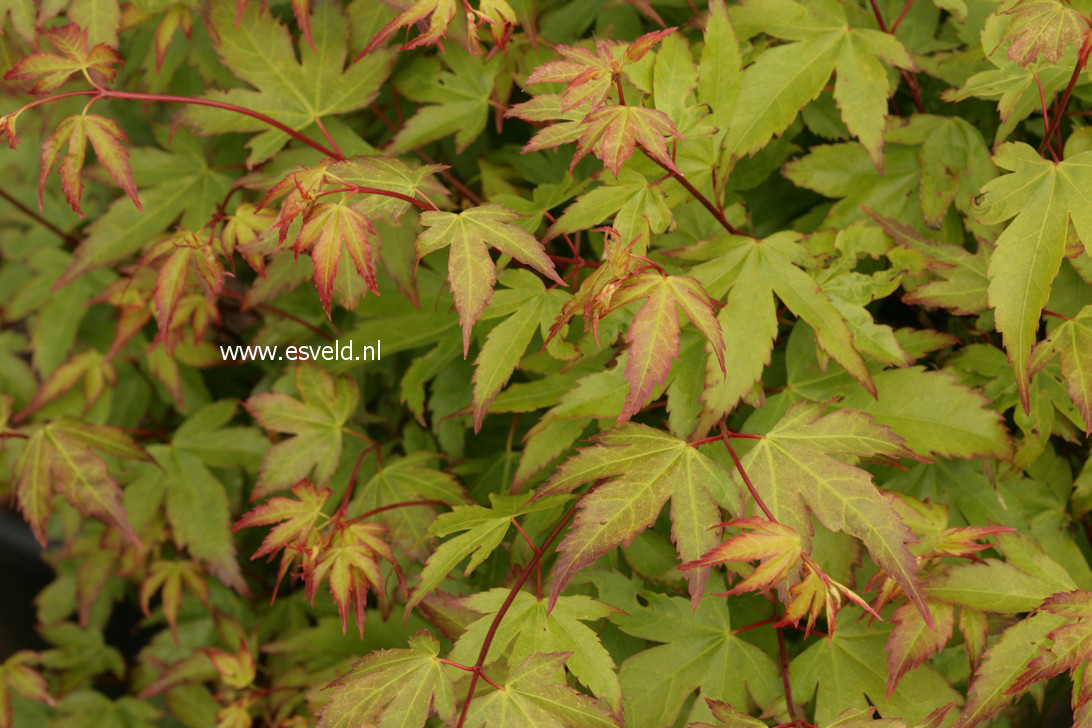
x=646, y=468
x=177, y=186
x=413, y=477
x=534, y=694
x=1041, y=198
x=454, y=92
x=847, y=670
x=259, y=50
x=784, y=78
x=1072, y=342
x=1043, y=27
x=754, y=271
x=315, y=421
x=529, y=627
x=506, y=343
x=638, y=208
x=961, y=280
x=795, y=474
x=471, y=273
x=61, y=458
x=18, y=677
x=1002, y=666
x=90, y=709
x=699, y=651
x=406, y=685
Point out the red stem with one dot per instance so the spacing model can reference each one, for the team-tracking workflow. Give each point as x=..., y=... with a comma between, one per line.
x=1082, y=60
x=618, y=86
x=1047, y=126
x=727, y=433
x=1055, y=314
x=38, y=218
x=783, y=654
x=700, y=198
x=909, y=77
x=280, y=312
x=520, y=580
x=392, y=506
x=105, y=93
x=425, y=206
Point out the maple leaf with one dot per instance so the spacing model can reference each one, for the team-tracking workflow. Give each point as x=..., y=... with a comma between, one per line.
x=18, y=677
x=1041, y=198
x=530, y=627
x=589, y=73
x=61, y=458
x=793, y=470
x=107, y=139
x=823, y=42
x=775, y=546
x=295, y=517
x=755, y=271
x=182, y=255
x=49, y=71
x=612, y=133
x=962, y=281
x=1072, y=342
x=315, y=421
x=1070, y=644
x=506, y=343
x=728, y=717
x=413, y=477
x=328, y=229
x=168, y=577
x=350, y=562
x=259, y=50
x=912, y=641
x=645, y=468
x=471, y=273
x=533, y=694
x=654, y=334
x=439, y=13
x=1042, y=27
x=96, y=372
x=484, y=530
x=698, y=650
x=407, y=685
x=847, y=670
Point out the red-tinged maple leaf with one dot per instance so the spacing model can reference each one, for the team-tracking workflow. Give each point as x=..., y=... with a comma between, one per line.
x=350, y=561
x=1070, y=645
x=299, y=190
x=775, y=546
x=471, y=272
x=295, y=517
x=168, y=578
x=7, y=129
x=328, y=229
x=60, y=458
x=912, y=641
x=653, y=337
x=440, y=13
x=91, y=367
x=49, y=70
x=177, y=16
x=17, y=676
x=237, y=669
x=815, y=594
x=108, y=141
x=499, y=18
x=1043, y=27
x=243, y=232
x=964, y=541
x=589, y=73
x=182, y=254
x=612, y=133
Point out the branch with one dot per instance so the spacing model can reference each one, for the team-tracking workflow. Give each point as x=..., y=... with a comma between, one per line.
x=700, y=198
x=909, y=77
x=70, y=239
x=392, y=506
x=783, y=654
x=520, y=580
x=1082, y=61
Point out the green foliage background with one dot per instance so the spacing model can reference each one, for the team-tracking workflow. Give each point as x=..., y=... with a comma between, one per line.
x=735, y=361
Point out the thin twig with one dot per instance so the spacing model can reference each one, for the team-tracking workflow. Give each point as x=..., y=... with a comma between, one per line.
x=910, y=77
x=700, y=198
x=282, y=313
x=1059, y=111
x=520, y=580
x=71, y=240
x=786, y=680
x=391, y=507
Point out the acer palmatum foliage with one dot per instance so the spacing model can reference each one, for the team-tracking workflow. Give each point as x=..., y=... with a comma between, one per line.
x=736, y=361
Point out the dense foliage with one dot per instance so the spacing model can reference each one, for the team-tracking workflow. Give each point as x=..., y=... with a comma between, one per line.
x=638, y=362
